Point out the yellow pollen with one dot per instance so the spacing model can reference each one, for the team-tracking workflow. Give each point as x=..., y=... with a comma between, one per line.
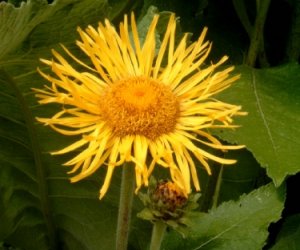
x=139, y=106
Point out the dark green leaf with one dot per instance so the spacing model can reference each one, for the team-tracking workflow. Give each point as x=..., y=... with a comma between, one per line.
x=234, y=225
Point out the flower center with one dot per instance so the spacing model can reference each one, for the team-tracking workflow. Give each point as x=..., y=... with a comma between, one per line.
x=139, y=106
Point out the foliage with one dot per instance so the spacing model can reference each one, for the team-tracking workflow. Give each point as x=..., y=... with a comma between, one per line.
x=40, y=209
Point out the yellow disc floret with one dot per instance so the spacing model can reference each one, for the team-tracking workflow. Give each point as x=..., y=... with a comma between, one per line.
x=139, y=106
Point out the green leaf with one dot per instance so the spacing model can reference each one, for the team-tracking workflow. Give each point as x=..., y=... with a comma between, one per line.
x=22, y=191
x=17, y=22
x=270, y=130
x=289, y=236
x=234, y=225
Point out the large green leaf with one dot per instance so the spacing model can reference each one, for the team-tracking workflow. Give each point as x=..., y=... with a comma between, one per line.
x=17, y=22
x=234, y=225
x=47, y=24
x=270, y=130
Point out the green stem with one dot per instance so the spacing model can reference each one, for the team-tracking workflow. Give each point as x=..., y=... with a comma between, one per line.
x=241, y=10
x=125, y=206
x=210, y=189
x=217, y=189
x=158, y=231
x=257, y=35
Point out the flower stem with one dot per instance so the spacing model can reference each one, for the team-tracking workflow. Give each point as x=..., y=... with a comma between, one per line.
x=217, y=188
x=257, y=35
x=125, y=206
x=210, y=189
x=158, y=231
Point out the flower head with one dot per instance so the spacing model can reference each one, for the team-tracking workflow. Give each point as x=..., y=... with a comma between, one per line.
x=133, y=103
x=166, y=203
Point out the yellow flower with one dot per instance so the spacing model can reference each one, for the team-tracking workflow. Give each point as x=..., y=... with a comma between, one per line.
x=134, y=103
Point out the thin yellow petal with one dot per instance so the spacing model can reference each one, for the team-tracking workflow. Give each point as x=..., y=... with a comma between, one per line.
x=107, y=181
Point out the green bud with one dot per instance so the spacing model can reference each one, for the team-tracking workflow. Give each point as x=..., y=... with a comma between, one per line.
x=166, y=202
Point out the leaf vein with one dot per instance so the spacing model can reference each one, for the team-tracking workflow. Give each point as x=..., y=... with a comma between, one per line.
x=260, y=109
x=219, y=234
